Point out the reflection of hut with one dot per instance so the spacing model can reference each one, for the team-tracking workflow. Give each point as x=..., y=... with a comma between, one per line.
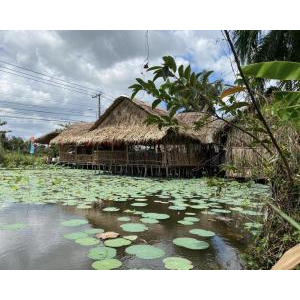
x=69, y=150
x=123, y=143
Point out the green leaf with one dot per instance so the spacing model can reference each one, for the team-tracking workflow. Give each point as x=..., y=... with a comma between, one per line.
x=187, y=72
x=281, y=70
x=155, y=103
x=170, y=62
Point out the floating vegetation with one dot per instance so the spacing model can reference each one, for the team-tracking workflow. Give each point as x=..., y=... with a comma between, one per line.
x=177, y=263
x=87, y=241
x=155, y=216
x=138, y=204
x=176, y=207
x=75, y=235
x=191, y=219
x=107, y=264
x=14, y=226
x=74, y=222
x=93, y=231
x=145, y=251
x=202, y=232
x=111, y=209
x=99, y=253
x=149, y=221
x=190, y=243
x=134, y=227
x=130, y=237
x=118, y=242
x=123, y=219
x=184, y=222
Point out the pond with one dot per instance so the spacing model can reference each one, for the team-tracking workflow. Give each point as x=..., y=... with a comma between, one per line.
x=49, y=219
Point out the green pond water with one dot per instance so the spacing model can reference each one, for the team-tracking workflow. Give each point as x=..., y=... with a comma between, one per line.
x=49, y=219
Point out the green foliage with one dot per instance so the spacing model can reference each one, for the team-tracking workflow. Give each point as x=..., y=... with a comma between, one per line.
x=17, y=159
x=280, y=70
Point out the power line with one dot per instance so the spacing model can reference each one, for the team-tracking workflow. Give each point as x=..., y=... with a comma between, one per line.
x=48, y=75
x=41, y=119
x=46, y=82
x=81, y=87
x=48, y=112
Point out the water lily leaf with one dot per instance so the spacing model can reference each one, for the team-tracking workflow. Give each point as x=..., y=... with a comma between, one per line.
x=155, y=216
x=123, y=219
x=14, y=226
x=183, y=222
x=190, y=243
x=99, y=253
x=75, y=235
x=145, y=251
x=190, y=213
x=139, y=204
x=107, y=264
x=87, y=241
x=177, y=263
x=251, y=213
x=191, y=219
x=149, y=221
x=94, y=230
x=116, y=243
x=134, y=227
x=176, y=207
x=202, y=232
x=111, y=209
x=130, y=237
x=74, y=222
x=221, y=211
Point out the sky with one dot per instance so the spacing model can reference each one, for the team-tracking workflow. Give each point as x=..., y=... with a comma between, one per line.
x=88, y=62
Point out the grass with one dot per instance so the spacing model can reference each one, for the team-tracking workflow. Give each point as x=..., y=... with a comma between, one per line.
x=16, y=159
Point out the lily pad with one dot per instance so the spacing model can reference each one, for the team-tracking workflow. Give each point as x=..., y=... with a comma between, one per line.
x=183, y=222
x=221, y=211
x=75, y=235
x=190, y=243
x=74, y=222
x=191, y=219
x=100, y=253
x=123, y=219
x=118, y=242
x=145, y=251
x=149, y=221
x=177, y=263
x=155, y=216
x=139, y=204
x=14, y=226
x=134, y=227
x=177, y=207
x=107, y=264
x=202, y=232
x=94, y=230
x=111, y=209
x=87, y=241
x=130, y=237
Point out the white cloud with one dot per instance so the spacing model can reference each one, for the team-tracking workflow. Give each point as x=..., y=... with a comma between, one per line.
x=106, y=60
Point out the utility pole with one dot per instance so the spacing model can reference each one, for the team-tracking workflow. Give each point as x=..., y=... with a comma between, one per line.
x=99, y=103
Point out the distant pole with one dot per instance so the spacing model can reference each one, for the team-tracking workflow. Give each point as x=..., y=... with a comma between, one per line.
x=99, y=103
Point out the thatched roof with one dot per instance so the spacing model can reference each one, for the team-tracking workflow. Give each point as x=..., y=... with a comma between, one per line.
x=72, y=133
x=209, y=132
x=46, y=138
x=124, y=121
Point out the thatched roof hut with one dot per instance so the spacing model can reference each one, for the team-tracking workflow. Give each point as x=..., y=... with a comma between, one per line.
x=72, y=133
x=46, y=138
x=124, y=122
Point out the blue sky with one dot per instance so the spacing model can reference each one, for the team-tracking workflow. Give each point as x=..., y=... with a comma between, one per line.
x=103, y=60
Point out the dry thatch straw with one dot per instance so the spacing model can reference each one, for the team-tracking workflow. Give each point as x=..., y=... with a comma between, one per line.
x=46, y=138
x=124, y=121
x=72, y=133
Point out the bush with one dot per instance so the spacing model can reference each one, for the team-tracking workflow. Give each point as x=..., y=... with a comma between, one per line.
x=15, y=159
